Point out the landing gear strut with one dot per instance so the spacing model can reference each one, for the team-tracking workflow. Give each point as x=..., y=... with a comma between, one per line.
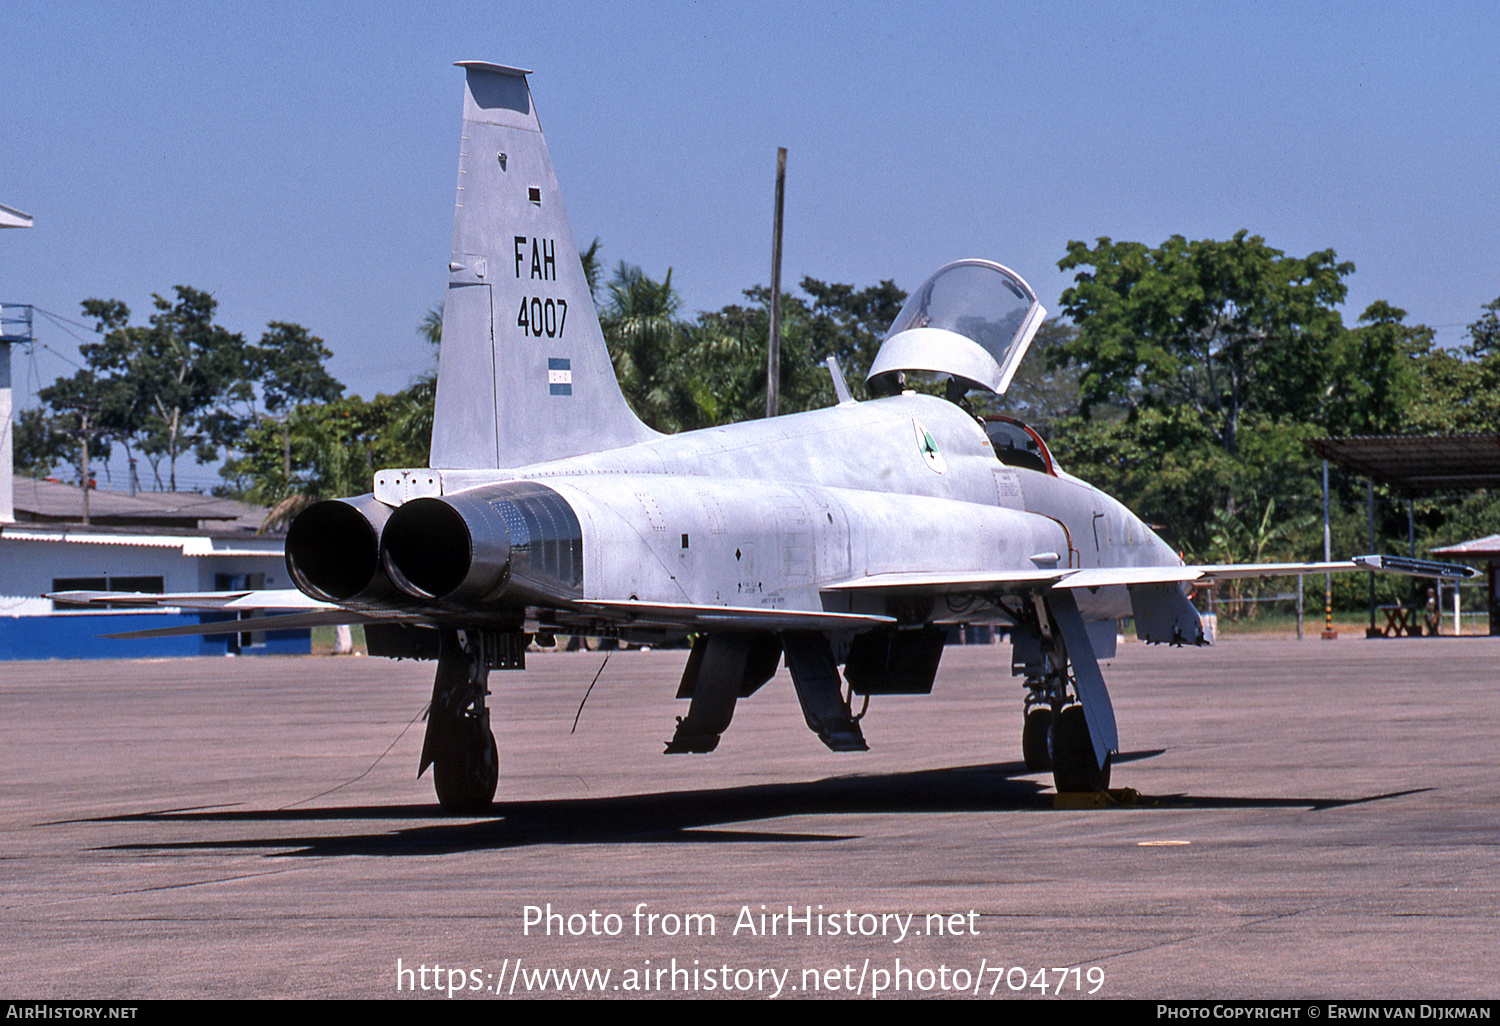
x=459, y=745
x=1057, y=735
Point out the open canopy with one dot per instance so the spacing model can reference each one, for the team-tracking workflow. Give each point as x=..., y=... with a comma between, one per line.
x=971, y=321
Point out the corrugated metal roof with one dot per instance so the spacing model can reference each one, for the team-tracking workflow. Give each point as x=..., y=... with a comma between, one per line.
x=1417, y=463
x=56, y=502
x=1489, y=545
x=188, y=545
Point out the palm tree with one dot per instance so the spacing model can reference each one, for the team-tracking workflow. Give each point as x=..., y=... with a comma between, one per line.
x=431, y=329
x=646, y=345
x=591, y=268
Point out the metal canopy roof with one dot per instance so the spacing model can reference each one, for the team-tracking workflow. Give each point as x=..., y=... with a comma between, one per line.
x=1487, y=547
x=52, y=502
x=1417, y=463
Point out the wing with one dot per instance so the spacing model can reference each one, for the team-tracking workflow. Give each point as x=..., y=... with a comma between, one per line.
x=923, y=583
x=657, y=614
x=296, y=610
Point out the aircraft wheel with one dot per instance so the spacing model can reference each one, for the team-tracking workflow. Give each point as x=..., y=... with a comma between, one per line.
x=1074, y=767
x=466, y=782
x=1034, y=739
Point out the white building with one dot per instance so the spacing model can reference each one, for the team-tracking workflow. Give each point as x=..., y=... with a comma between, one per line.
x=151, y=541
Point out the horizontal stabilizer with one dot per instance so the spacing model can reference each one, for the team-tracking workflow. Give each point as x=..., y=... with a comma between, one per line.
x=239, y=601
x=289, y=622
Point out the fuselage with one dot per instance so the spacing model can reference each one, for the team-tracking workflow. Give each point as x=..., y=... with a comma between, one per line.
x=773, y=513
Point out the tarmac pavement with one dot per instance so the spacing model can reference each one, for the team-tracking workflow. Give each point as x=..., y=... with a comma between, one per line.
x=1318, y=820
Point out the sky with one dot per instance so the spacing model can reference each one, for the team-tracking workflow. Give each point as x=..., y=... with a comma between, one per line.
x=298, y=160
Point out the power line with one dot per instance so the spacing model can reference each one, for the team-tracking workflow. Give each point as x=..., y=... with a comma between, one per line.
x=64, y=320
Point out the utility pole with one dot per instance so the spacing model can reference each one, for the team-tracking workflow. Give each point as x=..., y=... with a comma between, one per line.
x=1329, y=634
x=88, y=429
x=773, y=355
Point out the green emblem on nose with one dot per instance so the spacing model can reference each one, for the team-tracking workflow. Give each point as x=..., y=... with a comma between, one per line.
x=927, y=445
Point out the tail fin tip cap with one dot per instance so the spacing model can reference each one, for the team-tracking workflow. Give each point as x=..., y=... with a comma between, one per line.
x=487, y=66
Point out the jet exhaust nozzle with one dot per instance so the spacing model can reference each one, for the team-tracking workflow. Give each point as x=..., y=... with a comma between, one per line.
x=333, y=550
x=510, y=543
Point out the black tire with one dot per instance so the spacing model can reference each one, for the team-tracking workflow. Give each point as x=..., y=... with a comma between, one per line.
x=465, y=783
x=1034, y=733
x=1074, y=767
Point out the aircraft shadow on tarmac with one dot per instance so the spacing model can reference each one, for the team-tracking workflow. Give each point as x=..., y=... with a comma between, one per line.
x=678, y=816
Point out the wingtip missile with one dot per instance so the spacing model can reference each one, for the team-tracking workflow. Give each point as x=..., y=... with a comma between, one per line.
x=1416, y=567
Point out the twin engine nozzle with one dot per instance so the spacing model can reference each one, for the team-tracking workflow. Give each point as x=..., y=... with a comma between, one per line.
x=508, y=544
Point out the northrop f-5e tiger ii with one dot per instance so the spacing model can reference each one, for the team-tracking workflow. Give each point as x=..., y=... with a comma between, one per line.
x=845, y=541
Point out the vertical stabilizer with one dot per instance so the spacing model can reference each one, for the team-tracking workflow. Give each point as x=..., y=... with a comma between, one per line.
x=523, y=373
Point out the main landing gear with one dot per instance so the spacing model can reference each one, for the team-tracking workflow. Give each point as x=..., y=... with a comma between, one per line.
x=1075, y=767
x=1057, y=734
x=1057, y=738
x=459, y=745
x=1036, y=748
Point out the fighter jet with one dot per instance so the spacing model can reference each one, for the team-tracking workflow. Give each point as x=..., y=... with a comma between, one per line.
x=846, y=541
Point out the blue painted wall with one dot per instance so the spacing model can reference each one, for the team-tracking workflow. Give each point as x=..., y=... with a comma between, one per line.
x=77, y=637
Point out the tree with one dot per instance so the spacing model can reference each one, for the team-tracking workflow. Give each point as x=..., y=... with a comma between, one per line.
x=728, y=357
x=323, y=445
x=39, y=444
x=289, y=364
x=1484, y=334
x=1045, y=391
x=849, y=324
x=182, y=381
x=284, y=372
x=646, y=345
x=1460, y=391
x=728, y=360
x=592, y=268
x=1254, y=536
x=171, y=372
x=728, y=347
x=1220, y=328
x=1163, y=463
x=431, y=329
x=329, y=450
x=86, y=418
x=1373, y=374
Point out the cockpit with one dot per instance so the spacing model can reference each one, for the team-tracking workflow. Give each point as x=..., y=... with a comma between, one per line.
x=1017, y=444
x=971, y=322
